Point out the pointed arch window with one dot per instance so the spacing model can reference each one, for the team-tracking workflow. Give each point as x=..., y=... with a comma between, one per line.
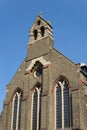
x=16, y=111
x=58, y=107
x=66, y=106
x=62, y=105
x=36, y=108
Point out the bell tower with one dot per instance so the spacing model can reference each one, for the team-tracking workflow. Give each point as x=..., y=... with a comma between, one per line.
x=40, y=39
x=40, y=29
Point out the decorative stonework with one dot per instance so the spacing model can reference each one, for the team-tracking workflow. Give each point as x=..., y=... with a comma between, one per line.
x=41, y=60
x=40, y=29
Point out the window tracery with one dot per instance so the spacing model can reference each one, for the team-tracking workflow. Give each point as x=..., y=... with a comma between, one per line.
x=62, y=104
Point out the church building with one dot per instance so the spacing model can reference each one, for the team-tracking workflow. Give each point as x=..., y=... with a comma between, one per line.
x=48, y=91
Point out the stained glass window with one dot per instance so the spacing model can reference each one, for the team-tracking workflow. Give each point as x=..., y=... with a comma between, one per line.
x=62, y=105
x=35, y=107
x=16, y=111
x=58, y=107
x=66, y=107
x=36, y=113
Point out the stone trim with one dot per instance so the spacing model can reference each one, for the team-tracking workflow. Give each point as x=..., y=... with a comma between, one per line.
x=41, y=60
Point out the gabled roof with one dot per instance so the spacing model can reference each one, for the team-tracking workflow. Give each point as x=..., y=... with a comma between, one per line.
x=39, y=17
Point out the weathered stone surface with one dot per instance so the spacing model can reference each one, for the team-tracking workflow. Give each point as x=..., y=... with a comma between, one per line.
x=55, y=65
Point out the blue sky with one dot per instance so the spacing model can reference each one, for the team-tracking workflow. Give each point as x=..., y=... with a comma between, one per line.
x=69, y=21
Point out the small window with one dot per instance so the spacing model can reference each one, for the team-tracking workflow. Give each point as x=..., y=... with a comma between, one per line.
x=42, y=31
x=37, y=69
x=38, y=22
x=35, y=34
x=39, y=72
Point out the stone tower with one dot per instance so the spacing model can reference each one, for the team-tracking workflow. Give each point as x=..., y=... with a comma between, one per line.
x=48, y=91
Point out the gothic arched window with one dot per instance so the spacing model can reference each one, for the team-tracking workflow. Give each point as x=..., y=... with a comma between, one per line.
x=62, y=105
x=16, y=111
x=36, y=111
x=66, y=106
x=58, y=107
